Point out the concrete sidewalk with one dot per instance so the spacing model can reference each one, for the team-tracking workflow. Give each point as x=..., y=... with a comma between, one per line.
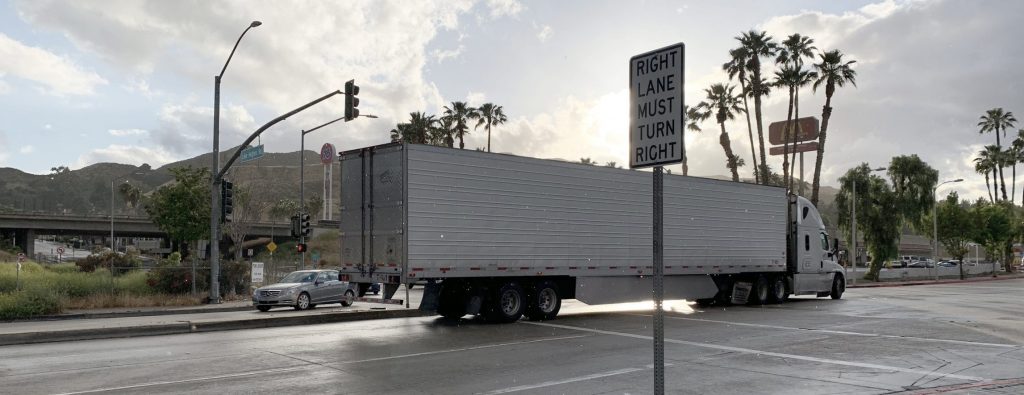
x=867, y=284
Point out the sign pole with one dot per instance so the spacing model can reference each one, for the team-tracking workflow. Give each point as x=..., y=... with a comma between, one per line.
x=659, y=283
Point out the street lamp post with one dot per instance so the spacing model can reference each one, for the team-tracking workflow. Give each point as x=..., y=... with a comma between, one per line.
x=215, y=182
x=853, y=226
x=935, y=227
x=302, y=173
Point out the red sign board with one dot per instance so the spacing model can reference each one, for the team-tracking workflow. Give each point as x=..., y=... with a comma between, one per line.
x=800, y=147
x=327, y=153
x=807, y=129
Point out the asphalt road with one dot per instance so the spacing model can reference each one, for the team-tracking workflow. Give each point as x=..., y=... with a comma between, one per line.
x=923, y=339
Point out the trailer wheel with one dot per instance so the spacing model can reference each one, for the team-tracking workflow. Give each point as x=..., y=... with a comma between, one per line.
x=759, y=293
x=778, y=291
x=507, y=304
x=544, y=302
x=838, y=286
x=451, y=302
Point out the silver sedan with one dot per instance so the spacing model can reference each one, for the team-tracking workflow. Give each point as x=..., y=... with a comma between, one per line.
x=303, y=290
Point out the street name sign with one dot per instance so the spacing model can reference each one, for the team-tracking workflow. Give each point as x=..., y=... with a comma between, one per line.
x=251, y=153
x=656, y=107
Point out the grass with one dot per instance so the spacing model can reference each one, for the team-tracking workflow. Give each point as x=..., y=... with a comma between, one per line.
x=53, y=289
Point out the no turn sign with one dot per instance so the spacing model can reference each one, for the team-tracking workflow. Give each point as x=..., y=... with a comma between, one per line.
x=60, y=250
x=656, y=116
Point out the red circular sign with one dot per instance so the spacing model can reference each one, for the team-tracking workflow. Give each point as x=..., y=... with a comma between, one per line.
x=327, y=153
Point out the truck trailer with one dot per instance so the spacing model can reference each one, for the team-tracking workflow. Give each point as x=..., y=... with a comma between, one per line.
x=507, y=236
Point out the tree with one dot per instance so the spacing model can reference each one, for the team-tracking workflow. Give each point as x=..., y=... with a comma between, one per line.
x=720, y=101
x=982, y=165
x=913, y=182
x=130, y=194
x=693, y=118
x=736, y=67
x=491, y=115
x=460, y=114
x=792, y=52
x=587, y=161
x=758, y=45
x=182, y=209
x=416, y=131
x=613, y=165
x=832, y=72
x=248, y=209
x=786, y=77
x=1016, y=156
x=997, y=121
x=955, y=227
x=995, y=230
x=314, y=204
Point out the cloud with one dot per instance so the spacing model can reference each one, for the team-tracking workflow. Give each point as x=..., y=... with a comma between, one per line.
x=4, y=87
x=3, y=148
x=59, y=75
x=442, y=55
x=544, y=33
x=925, y=72
x=127, y=132
x=186, y=129
x=475, y=99
x=28, y=149
x=142, y=87
x=127, y=154
x=47, y=126
x=501, y=8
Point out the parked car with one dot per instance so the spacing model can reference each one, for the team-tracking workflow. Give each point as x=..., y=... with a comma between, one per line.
x=949, y=263
x=920, y=264
x=304, y=289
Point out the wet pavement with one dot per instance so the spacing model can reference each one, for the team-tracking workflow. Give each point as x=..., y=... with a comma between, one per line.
x=967, y=338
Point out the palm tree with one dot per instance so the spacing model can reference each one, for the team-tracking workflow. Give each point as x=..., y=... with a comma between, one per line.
x=984, y=166
x=444, y=133
x=737, y=68
x=792, y=52
x=490, y=115
x=693, y=118
x=832, y=72
x=721, y=102
x=757, y=45
x=416, y=131
x=802, y=79
x=460, y=113
x=996, y=120
x=786, y=77
x=1016, y=156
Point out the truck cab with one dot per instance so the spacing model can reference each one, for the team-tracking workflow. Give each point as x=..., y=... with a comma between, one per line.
x=814, y=264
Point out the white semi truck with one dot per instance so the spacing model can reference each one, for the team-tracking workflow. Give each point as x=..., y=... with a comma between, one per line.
x=506, y=236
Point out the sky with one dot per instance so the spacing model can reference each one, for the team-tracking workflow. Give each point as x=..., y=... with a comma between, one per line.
x=84, y=82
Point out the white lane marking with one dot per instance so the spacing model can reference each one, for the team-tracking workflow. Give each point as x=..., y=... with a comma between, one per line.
x=281, y=370
x=835, y=332
x=983, y=287
x=155, y=383
x=766, y=353
x=464, y=349
x=570, y=380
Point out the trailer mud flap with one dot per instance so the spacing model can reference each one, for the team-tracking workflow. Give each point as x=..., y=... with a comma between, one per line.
x=741, y=292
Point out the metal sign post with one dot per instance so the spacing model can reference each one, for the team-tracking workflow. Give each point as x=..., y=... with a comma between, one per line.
x=656, y=127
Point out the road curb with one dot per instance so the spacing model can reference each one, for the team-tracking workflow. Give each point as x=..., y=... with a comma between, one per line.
x=200, y=326
x=140, y=313
x=933, y=282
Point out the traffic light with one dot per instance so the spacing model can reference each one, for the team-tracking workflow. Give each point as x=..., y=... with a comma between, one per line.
x=351, y=101
x=304, y=228
x=227, y=203
x=295, y=226
x=300, y=248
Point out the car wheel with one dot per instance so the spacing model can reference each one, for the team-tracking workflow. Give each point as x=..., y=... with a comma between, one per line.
x=838, y=286
x=263, y=308
x=302, y=303
x=544, y=302
x=347, y=301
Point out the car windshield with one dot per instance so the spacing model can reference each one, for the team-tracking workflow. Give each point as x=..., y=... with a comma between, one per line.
x=299, y=277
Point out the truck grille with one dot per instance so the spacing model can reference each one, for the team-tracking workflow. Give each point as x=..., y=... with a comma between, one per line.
x=270, y=293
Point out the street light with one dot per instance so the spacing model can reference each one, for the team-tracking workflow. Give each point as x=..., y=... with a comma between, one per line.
x=853, y=225
x=302, y=173
x=935, y=227
x=215, y=179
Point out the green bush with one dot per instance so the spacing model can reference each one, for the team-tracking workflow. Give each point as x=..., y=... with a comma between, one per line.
x=66, y=267
x=122, y=263
x=170, y=276
x=28, y=303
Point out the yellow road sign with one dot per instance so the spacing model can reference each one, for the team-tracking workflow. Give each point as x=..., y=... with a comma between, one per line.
x=271, y=246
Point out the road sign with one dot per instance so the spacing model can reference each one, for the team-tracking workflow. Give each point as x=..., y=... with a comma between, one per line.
x=327, y=153
x=21, y=257
x=60, y=250
x=806, y=129
x=316, y=257
x=251, y=153
x=801, y=147
x=656, y=118
x=257, y=272
x=271, y=247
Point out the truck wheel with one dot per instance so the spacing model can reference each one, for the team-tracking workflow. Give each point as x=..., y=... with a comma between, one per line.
x=759, y=292
x=347, y=301
x=838, y=286
x=362, y=288
x=778, y=290
x=451, y=303
x=507, y=304
x=544, y=302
